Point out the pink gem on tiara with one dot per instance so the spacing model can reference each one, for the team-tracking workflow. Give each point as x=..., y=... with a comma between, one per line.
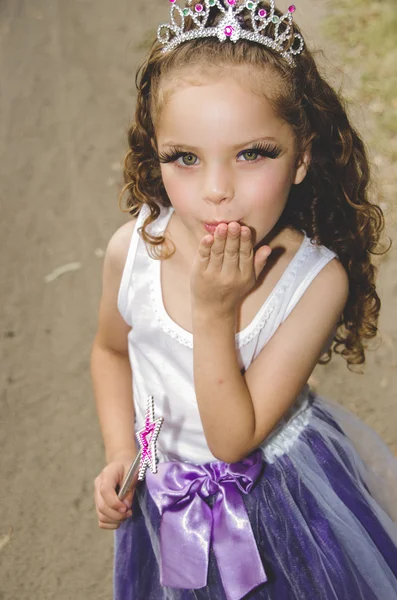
x=229, y=30
x=172, y=1
x=262, y=13
x=198, y=8
x=231, y=2
x=292, y=8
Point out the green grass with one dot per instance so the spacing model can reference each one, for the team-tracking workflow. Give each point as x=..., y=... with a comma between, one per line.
x=367, y=32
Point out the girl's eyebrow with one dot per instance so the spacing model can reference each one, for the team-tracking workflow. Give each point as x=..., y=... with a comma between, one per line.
x=243, y=144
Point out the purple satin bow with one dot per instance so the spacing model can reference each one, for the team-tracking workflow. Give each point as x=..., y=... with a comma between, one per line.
x=189, y=524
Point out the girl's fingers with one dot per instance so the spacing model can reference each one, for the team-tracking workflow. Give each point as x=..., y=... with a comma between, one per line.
x=107, y=514
x=260, y=259
x=247, y=258
x=105, y=524
x=127, y=500
x=230, y=253
x=218, y=248
x=204, y=252
x=232, y=249
x=105, y=495
x=103, y=517
x=110, y=513
x=246, y=251
x=107, y=488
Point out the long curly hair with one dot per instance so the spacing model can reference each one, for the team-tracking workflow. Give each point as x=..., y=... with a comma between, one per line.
x=331, y=204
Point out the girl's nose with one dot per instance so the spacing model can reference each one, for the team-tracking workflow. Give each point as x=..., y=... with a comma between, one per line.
x=218, y=185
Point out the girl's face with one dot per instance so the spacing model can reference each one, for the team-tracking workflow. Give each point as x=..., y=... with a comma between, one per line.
x=226, y=157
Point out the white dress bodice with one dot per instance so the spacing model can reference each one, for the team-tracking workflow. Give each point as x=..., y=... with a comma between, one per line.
x=161, y=352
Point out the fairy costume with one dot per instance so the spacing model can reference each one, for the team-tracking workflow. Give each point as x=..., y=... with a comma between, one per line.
x=311, y=513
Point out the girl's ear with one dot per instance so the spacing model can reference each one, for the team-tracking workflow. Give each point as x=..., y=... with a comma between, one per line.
x=302, y=166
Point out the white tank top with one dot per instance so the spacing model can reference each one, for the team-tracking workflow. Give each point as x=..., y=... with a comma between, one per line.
x=161, y=352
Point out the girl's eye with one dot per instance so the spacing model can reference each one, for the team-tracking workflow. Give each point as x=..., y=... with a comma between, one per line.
x=188, y=159
x=175, y=156
x=252, y=154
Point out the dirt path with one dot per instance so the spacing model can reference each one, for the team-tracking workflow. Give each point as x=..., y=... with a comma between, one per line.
x=67, y=85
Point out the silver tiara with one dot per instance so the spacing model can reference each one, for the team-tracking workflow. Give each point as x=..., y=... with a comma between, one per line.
x=170, y=35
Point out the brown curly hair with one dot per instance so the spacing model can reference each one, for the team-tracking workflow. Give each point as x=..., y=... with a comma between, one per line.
x=331, y=204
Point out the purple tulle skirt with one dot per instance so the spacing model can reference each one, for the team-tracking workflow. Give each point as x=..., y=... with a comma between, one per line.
x=323, y=515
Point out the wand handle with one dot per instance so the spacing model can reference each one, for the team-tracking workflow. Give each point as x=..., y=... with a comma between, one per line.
x=130, y=476
x=147, y=455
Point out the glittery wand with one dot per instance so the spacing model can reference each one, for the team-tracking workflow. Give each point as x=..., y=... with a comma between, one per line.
x=147, y=455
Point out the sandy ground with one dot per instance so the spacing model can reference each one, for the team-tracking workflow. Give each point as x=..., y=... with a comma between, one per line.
x=67, y=96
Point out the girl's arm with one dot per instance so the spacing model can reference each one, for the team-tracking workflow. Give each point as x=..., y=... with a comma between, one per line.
x=239, y=411
x=110, y=367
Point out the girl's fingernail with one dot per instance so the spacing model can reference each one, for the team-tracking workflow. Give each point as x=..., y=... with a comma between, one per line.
x=122, y=509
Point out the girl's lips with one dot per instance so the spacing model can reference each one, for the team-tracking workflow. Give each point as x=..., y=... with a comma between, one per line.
x=211, y=227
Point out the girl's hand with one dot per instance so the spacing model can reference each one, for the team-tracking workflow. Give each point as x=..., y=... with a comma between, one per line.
x=110, y=510
x=226, y=268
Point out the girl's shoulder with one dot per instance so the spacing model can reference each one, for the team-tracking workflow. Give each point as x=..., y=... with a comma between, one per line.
x=295, y=250
x=321, y=274
x=322, y=264
x=119, y=243
x=123, y=243
x=307, y=264
x=112, y=328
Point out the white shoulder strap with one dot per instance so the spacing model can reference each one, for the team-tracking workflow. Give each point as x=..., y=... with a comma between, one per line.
x=326, y=257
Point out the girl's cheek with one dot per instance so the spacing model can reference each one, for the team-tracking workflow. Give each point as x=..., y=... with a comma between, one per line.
x=268, y=187
x=169, y=181
x=178, y=187
x=264, y=202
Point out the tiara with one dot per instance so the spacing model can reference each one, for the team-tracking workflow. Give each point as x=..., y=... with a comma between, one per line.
x=170, y=35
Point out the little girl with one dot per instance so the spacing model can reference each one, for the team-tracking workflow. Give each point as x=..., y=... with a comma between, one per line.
x=247, y=260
